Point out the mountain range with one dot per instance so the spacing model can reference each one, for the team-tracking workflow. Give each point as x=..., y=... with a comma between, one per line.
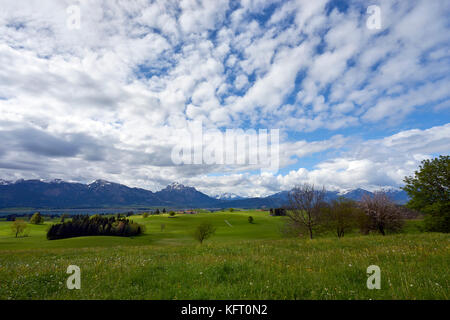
x=101, y=193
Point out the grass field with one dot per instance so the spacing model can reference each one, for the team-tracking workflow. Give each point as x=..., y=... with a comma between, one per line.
x=241, y=261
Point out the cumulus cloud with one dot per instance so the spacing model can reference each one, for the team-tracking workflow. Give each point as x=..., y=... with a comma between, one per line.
x=107, y=100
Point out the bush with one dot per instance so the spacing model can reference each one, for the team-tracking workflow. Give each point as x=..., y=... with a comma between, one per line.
x=204, y=231
x=145, y=215
x=172, y=213
x=81, y=226
x=250, y=219
x=37, y=218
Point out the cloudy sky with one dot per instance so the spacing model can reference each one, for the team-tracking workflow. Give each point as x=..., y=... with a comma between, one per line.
x=355, y=106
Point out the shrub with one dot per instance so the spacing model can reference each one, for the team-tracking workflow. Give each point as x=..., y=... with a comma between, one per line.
x=204, y=231
x=37, y=218
x=172, y=213
x=250, y=219
x=145, y=215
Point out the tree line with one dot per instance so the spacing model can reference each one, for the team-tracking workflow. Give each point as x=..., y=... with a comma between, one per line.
x=309, y=213
x=429, y=189
x=83, y=225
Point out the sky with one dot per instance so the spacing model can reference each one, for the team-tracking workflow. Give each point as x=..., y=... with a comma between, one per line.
x=106, y=89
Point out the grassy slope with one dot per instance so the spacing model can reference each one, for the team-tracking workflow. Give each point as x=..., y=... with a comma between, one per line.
x=240, y=262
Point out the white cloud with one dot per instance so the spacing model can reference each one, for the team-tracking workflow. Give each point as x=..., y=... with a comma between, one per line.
x=111, y=95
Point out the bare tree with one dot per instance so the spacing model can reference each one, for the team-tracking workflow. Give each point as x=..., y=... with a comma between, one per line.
x=382, y=214
x=305, y=210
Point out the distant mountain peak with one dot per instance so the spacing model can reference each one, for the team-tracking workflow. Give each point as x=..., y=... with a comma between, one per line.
x=5, y=182
x=99, y=183
x=227, y=196
x=54, y=181
x=177, y=186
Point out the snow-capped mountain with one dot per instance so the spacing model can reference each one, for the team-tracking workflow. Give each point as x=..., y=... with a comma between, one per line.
x=227, y=196
x=102, y=193
x=99, y=183
x=181, y=195
x=4, y=182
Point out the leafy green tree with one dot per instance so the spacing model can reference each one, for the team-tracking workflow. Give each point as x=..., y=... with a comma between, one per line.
x=342, y=216
x=37, y=218
x=18, y=227
x=429, y=190
x=204, y=231
x=164, y=210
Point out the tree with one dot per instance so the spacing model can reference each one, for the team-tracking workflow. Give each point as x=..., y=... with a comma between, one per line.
x=306, y=208
x=204, y=231
x=18, y=227
x=429, y=190
x=250, y=219
x=37, y=218
x=382, y=214
x=145, y=215
x=64, y=216
x=164, y=210
x=172, y=213
x=342, y=216
x=157, y=211
x=279, y=212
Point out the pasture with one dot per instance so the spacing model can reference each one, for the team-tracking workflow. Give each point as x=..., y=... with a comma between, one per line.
x=241, y=261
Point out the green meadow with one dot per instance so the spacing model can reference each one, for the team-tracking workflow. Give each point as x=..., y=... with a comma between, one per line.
x=241, y=261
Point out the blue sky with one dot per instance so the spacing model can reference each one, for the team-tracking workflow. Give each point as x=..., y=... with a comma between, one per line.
x=107, y=93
